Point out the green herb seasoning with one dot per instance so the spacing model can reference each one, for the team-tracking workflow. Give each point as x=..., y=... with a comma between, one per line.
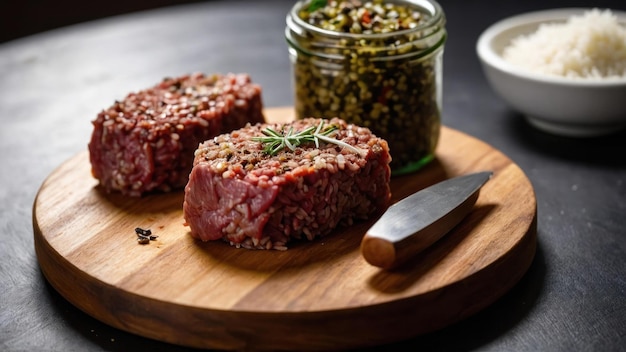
x=276, y=141
x=376, y=64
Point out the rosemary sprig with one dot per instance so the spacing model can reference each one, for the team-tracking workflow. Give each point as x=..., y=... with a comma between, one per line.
x=276, y=141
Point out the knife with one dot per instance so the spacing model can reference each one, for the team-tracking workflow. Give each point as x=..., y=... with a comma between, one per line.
x=419, y=220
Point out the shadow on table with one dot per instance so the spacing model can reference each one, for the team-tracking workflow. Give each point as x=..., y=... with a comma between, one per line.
x=608, y=150
x=46, y=15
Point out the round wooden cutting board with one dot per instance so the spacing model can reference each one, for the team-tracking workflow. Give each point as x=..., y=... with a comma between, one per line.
x=316, y=295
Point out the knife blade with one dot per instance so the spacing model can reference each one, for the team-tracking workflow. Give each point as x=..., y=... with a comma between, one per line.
x=419, y=220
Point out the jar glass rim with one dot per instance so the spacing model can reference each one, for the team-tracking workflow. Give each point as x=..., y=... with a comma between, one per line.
x=434, y=11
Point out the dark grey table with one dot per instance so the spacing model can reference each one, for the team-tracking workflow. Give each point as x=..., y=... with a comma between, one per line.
x=53, y=84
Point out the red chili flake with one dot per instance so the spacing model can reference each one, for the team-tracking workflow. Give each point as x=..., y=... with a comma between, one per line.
x=382, y=98
x=366, y=17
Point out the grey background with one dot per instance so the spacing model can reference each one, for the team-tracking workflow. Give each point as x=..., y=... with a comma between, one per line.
x=53, y=83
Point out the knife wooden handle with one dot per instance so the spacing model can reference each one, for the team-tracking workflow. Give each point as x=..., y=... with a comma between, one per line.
x=388, y=252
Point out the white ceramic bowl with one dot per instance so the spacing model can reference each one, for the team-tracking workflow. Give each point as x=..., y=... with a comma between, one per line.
x=559, y=105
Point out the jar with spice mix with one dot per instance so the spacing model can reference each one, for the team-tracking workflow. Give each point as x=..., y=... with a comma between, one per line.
x=376, y=64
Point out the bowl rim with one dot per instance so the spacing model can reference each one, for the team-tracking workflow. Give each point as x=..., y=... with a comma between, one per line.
x=490, y=57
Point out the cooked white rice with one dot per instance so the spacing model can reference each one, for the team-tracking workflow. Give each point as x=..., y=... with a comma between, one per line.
x=591, y=45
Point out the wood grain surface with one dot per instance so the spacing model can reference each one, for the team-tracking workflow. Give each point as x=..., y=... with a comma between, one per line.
x=316, y=295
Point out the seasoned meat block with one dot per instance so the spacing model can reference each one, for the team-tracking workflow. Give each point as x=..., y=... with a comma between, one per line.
x=239, y=193
x=146, y=142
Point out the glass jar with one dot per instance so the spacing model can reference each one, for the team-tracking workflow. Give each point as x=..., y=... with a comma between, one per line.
x=390, y=82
